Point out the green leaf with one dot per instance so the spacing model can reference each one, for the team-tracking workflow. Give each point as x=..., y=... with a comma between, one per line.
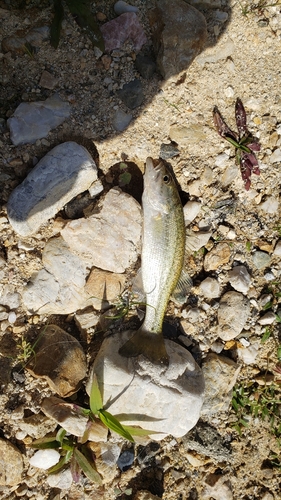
x=60, y=435
x=60, y=464
x=112, y=423
x=56, y=23
x=45, y=443
x=81, y=11
x=267, y=306
x=123, y=166
x=278, y=318
x=266, y=335
x=139, y=431
x=95, y=397
x=86, y=467
x=125, y=179
x=243, y=422
x=235, y=405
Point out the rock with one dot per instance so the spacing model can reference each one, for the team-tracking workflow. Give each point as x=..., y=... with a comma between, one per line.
x=43, y=459
x=121, y=120
x=9, y=298
x=48, y=81
x=34, y=120
x=277, y=249
x=110, y=239
x=56, y=289
x=267, y=319
x=11, y=464
x=205, y=440
x=66, y=171
x=210, y=288
x=276, y=156
x=220, y=374
x=187, y=135
x=229, y=175
x=175, y=40
x=249, y=354
x=196, y=240
x=36, y=426
x=145, y=65
x=168, y=151
x=240, y=279
x=132, y=94
x=270, y=205
x=125, y=27
x=150, y=395
x=190, y=210
x=61, y=480
x=145, y=495
x=67, y=415
x=217, y=487
x=261, y=259
x=233, y=313
x=17, y=44
x=219, y=255
x=125, y=460
x=60, y=359
x=86, y=320
x=120, y=7
x=104, y=287
x=106, y=455
x=221, y=160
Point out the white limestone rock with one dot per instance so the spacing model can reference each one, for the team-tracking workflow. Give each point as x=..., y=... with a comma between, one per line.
x=233, y=312
x=210, y=288
x=240, y=279
x=110, y=239
x=66, y=171
x=155, y=397
x=43, y=459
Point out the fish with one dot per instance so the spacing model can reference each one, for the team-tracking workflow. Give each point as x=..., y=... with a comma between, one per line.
x=162, y=259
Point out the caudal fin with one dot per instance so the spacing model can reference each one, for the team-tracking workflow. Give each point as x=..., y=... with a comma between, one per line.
x=151, y=345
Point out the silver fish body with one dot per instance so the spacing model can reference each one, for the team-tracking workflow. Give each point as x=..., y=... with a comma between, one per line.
x=162, y=258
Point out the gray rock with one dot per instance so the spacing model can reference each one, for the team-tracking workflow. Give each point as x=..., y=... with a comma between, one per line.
x=11, y=464
x=268, y=318
x=57, y=289
x=132, y=94
x=66, y=171
x=149, y=395
x=8, y=297
x=34, y=120
x=179, y=33
x=124, y=27
x=190, y=210
x=67, y=415
x=217, y=487
x=205, y=440
x=233, y=313
x=121, y=120
x=110, y=239
x=145, y=66
x=220, y=374
x=196, y=240
x=61, y=480
x=60, y=359
x=261, y=259
x=120, y=7
x=240, y=279
x=168, y=151
x=210, y=288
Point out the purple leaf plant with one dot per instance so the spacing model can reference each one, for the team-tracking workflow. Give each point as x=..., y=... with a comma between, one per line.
x=245, y=144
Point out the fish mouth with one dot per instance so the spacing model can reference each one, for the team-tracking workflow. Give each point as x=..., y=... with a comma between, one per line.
x=152, y=168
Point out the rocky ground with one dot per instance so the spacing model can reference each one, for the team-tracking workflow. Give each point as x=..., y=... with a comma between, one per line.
x=230, y=321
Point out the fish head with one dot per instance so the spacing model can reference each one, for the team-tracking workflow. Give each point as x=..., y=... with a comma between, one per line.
x=159, y=186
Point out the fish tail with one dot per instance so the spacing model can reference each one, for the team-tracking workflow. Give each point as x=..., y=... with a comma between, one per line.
x=151, y=345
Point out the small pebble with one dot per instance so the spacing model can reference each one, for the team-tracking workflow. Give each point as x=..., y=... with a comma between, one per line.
x=43, y=459
x=210, y=288
x=267, y=319
x=12, y=317
x=239, y=279
x=261, y=259
x=276, y=156
x=125, y=460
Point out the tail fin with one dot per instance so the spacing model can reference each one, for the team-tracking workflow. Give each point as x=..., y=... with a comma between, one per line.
x=151, y=345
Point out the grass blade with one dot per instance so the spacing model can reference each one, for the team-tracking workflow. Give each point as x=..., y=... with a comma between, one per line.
x=95, y=397
x=86, y=467
x=56, y=23
x=45, y=443
x=139, y=431
x=112, y=423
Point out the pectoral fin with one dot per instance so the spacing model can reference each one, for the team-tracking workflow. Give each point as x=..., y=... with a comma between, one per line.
x=182, y=288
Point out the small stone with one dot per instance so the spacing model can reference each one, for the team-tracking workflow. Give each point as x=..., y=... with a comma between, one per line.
x=277, y=249
x=233, y=312
x=12, y=317
x=34, y=120
x=120, y=7
x=60, y=359
x=146, y=66
x=196, y=240
x=150, y=389
x=217, y=487
x=145, y=495
x=261, y=259
x=125, y=460
x=67, y=415
x=210, y=288
x=190, y=211
x=62, y=480
x=43, y=459
x=86, y=320
x=66, y=171
x=132, y=94
x=168, y=151
x=17, y=44
x=11, y=464
x=48, y=81
x=207, y=441
x=218, y=256
x=96, y=188
x=249, y=354
x=125, y=27
x=229, y=91
x=221, y=160
x=240, y=279
x=121, y=120
x=267, y=319
x=104, y=287
x=229, y=175
x=9, y=298
x=276, y=156
x=220, y=374
x=187, y=135
x=270, y=205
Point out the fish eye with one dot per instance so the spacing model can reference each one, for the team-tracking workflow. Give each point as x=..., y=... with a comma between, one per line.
x=166, y=179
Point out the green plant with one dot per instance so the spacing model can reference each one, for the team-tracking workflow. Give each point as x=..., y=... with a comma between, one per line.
x=259, y=6
x=125, y=176
x=258, y=401
x=79, y=455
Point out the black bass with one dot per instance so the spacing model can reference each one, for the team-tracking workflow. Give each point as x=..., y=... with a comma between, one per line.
x=162, y=257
